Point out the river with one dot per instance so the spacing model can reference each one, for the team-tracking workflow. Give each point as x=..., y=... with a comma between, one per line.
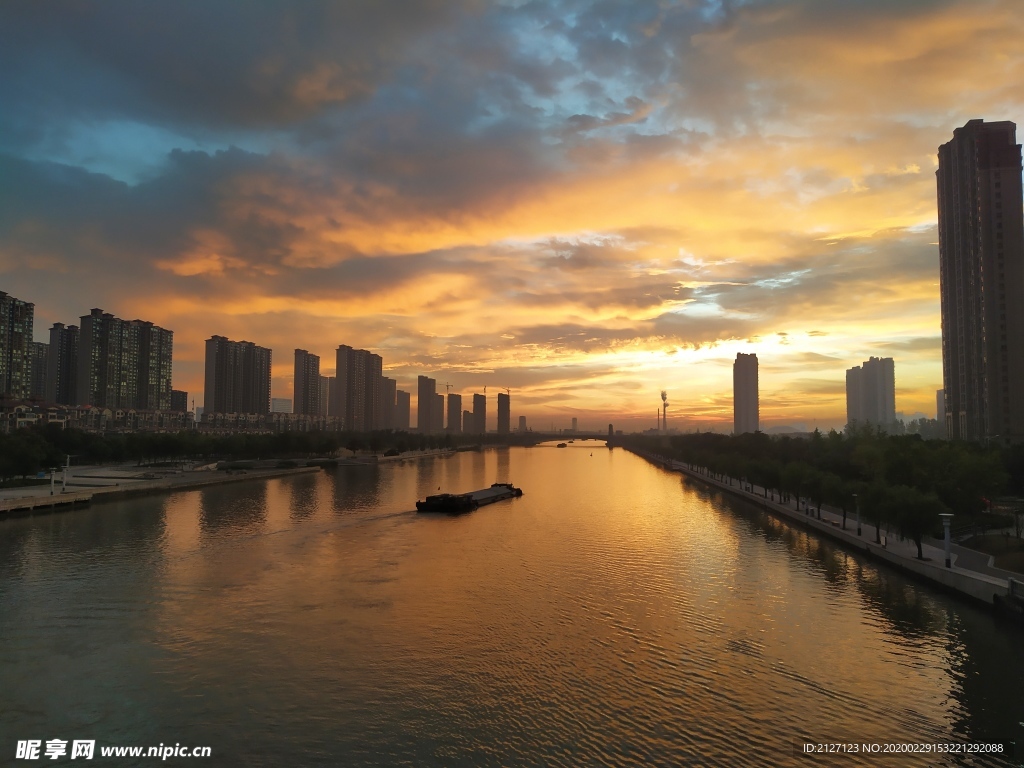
x=616, y=614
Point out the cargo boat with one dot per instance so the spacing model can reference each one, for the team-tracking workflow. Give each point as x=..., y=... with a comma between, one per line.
x=458, y=503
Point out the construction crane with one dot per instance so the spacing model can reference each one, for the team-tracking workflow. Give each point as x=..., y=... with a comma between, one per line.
x=447, y=388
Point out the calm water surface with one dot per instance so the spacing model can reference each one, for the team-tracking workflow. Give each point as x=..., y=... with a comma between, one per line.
x=614, y=615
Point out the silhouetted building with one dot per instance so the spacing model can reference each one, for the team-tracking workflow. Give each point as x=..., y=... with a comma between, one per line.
x=374, y=386
x=467, y=423
x=358, y=383
x=871, y=392
x=62, y=365
x=281, y=405
x=940, y=406
x=454, y=413
x=504, y=413
x=981, y=282
x=388, y=403
x=403, y=411
x=437, y=414
x=179, y=400
x=326, y=384
x=522, y=423
x=745, y=398
x=575, y=424
x=480, y=414
x=306, y=384
x=16, y=319
x=237, y=377
x=123, y=364
x=330, y=393
x=350, y=371
x=426, y=388
x=38, y=356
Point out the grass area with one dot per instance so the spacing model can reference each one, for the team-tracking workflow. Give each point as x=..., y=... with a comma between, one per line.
x=1008, y=550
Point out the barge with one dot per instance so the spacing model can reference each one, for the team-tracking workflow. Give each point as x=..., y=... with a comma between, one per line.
x=458, y=503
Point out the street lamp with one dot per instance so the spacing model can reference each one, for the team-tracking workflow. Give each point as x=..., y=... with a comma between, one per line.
x=947, y=518
x=856, y=504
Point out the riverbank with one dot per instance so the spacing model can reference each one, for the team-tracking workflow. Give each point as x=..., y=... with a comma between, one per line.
x=43, y=502
x=86, y=485
x=371, y=459
x=966, y=576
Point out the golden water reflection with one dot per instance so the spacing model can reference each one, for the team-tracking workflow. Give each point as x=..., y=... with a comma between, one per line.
x=614, y=614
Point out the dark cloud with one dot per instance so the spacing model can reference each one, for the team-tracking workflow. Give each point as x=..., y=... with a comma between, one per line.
x=199, y=62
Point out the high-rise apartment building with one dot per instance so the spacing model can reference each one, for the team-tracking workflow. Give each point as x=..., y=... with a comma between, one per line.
x=179, y=400
x=350, y=387
x=480, y=414
x=454, y=412
x=325, y=395
x=981, y=282
x=332, y=396
x=402, y=410
x=505, y=414
x=745, y=401
x=306, y=384
x=358, y=384
x=871, y=392
x=16, y=318
x=467, y=423
x=388, y=403
x=237, y=377
x=373, y=385
x=62, y=365
x=940, y=405
x=426, y=389
x=281, y=405
x=123, y=364
x=522, y=423
x=38, y=357
x=437, y=414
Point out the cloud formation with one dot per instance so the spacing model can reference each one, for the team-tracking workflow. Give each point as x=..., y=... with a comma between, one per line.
x=586, y=202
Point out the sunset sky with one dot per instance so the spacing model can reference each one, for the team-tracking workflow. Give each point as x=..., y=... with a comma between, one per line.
x=585, y=202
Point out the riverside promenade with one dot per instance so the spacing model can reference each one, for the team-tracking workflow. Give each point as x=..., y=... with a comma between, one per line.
x=971, y=573
x=97, y=483
x=86, y=484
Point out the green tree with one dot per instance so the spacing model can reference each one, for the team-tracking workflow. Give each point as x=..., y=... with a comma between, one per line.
x=794, y=477
x=837, y=493
x=873, y=498
x=915, y=513
x=814, y=487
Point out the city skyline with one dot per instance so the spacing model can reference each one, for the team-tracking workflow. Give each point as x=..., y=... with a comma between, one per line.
x=603, y=207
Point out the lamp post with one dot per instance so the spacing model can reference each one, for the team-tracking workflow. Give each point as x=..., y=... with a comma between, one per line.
x=53, y=478
x=856, y=504
x=947, y=518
